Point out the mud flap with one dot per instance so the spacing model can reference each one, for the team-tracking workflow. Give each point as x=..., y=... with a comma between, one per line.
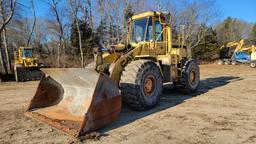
x=75, y=101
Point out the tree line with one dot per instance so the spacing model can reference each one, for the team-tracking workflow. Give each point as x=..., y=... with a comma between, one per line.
x=66, y=36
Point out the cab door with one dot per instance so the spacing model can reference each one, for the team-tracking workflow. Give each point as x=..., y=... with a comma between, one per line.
x=160, y=44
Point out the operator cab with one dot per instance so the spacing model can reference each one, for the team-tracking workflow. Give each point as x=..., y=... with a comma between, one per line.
x=154, y=30
x=151, y=26
x=27, y=52
x=146, y=27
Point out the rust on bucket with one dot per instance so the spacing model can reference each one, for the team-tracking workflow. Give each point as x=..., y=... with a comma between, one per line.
x=75, y=101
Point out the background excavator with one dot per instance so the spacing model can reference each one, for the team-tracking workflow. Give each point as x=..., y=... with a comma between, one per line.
x=229, y=51
x=234, y=52
x=78, y=101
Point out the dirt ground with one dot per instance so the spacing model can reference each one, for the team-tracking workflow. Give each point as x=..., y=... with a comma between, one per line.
x=223, y=111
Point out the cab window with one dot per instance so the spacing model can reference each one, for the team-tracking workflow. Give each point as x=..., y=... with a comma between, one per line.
x=158, y=31
x=142, y=30
x=149, y=35
x=27, y=53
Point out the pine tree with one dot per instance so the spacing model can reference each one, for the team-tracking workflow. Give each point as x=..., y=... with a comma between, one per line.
x=102, y=33
x=230, y=30
x=208, y=48
x=87, y=42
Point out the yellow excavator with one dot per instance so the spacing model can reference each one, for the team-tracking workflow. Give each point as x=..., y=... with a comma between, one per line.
x=227, y=51
x=26, y=66
x=80, y=100
x=234, y=52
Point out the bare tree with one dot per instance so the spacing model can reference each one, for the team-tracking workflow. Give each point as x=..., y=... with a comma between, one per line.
x=90, y=14
x=54, y=8
x=6, y=18
x=74, y=6
x=112, y=13
x=192, y=14
x=232, y=29
x=34, y=22
x=91, y=23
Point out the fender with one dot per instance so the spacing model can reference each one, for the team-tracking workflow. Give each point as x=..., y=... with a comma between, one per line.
x=122, y=62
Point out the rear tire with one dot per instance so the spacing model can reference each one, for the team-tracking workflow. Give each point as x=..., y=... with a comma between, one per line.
x=190, y=77
x=141, y=84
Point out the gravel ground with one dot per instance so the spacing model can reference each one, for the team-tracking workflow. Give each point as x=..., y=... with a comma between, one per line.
x=222, y=111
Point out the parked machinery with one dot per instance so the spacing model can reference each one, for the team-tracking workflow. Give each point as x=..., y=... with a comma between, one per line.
x=26, y=66
x=228, y=52
x=77, y=101
x=234, y=52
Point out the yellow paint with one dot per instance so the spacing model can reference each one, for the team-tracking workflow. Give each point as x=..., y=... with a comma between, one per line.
x=161, y=51
x=20, y=59
x=253, y=56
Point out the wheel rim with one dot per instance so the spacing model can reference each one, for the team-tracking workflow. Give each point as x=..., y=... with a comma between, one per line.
x=192, y=77
x=149, y=84
x=253, y=65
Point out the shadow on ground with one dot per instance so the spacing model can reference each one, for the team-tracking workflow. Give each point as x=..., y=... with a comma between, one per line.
x=169, y=99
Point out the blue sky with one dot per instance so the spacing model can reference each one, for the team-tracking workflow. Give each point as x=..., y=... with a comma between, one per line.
x=242, y=9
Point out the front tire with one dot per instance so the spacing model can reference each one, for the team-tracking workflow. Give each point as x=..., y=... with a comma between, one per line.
x=141, y=84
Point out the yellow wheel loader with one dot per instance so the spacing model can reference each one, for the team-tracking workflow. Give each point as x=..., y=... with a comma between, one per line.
x=78, y=101
x=26, y=66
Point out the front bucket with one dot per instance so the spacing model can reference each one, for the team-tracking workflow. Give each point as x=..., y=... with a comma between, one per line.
x=75, y=101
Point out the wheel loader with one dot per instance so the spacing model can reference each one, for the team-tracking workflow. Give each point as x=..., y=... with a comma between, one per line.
x=26, y=66
x=80, y=100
